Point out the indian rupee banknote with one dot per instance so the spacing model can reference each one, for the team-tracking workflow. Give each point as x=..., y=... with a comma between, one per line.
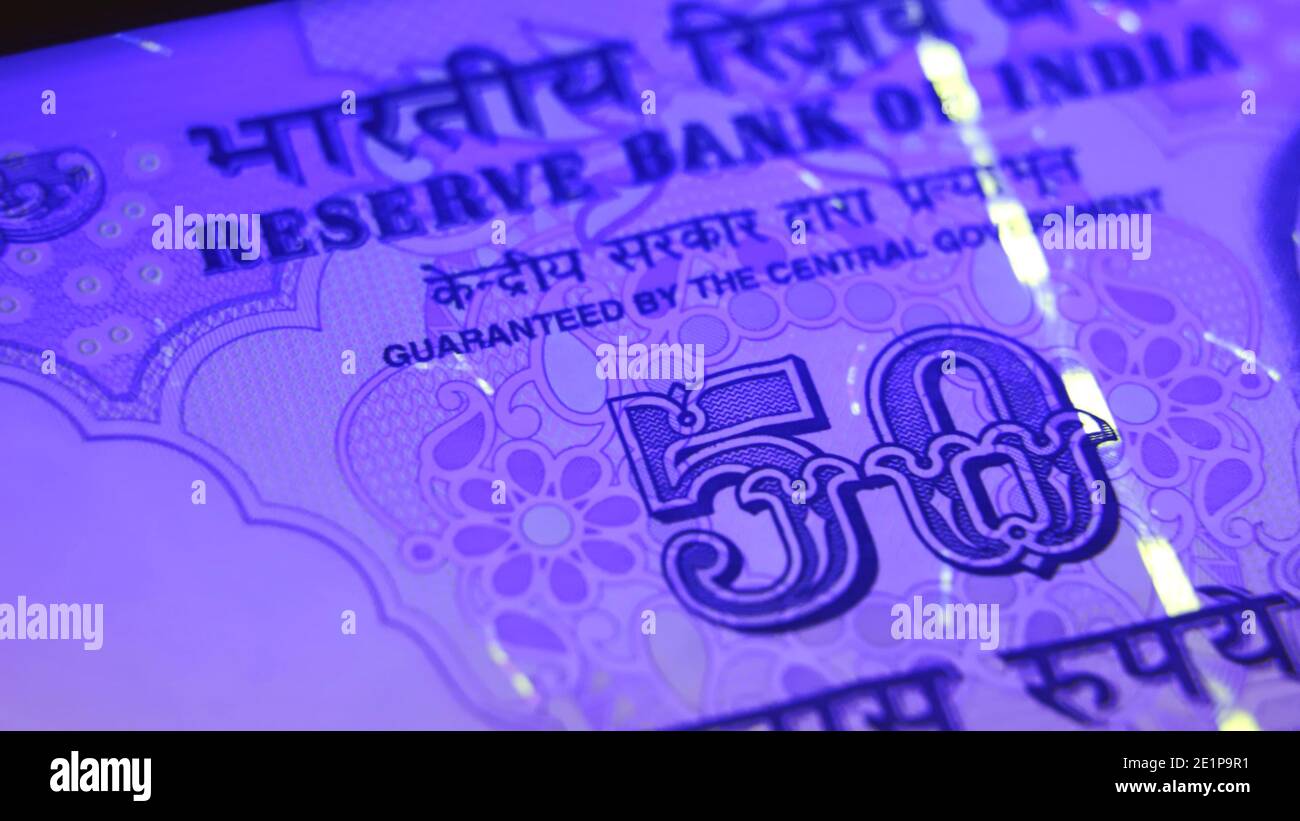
x=831, y=364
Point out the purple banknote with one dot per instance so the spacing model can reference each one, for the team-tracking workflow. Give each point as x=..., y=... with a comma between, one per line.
x=804, y=364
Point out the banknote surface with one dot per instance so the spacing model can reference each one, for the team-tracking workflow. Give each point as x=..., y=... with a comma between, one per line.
x=877, y=364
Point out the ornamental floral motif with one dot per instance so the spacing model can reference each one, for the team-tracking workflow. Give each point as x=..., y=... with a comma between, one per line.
x=557, y=525
x=1173, y=411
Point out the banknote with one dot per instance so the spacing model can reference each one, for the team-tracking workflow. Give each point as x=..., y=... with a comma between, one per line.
x=794, y=364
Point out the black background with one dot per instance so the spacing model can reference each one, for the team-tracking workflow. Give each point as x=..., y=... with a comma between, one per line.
x=668, y=775
x=31, y=24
